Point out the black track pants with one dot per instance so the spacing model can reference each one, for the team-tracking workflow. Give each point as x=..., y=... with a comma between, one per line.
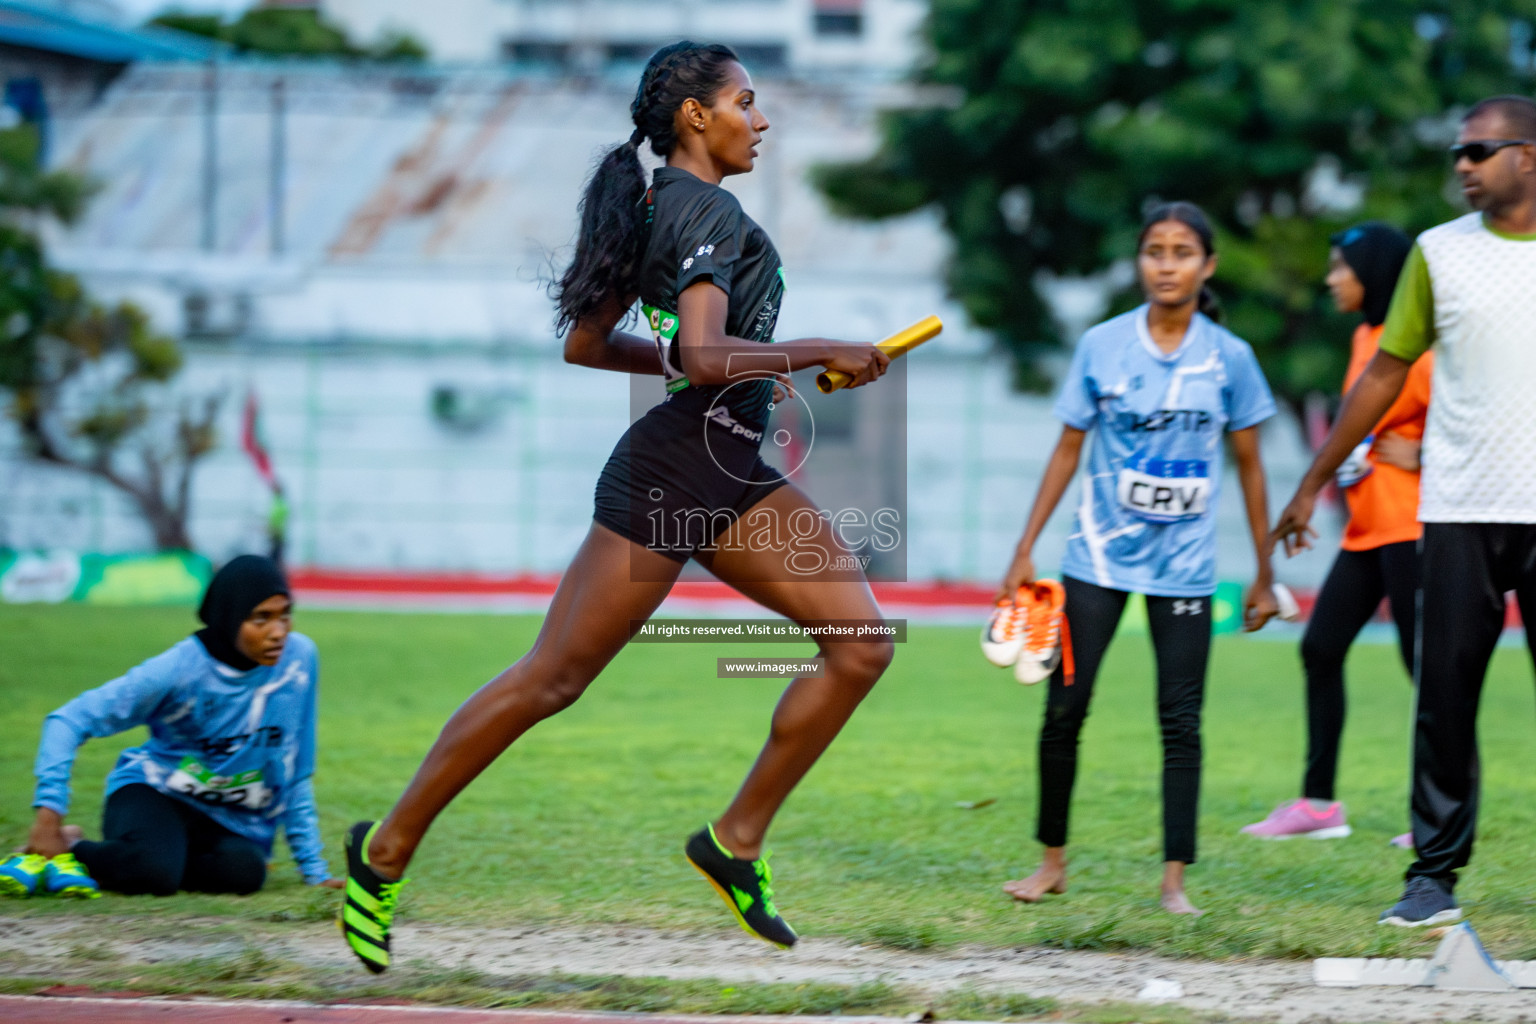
x=155, y=844
x=1468, y=567
x=1350, y=596
x=1181, y=640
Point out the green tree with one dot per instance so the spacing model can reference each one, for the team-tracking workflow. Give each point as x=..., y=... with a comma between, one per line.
x=86, y=381
x=276, y=31
x=1057, y=121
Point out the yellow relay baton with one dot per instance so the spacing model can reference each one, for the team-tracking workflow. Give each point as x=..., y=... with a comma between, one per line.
x=897, y=344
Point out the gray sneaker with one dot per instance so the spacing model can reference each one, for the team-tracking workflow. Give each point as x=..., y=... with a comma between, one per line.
x=1425, y=901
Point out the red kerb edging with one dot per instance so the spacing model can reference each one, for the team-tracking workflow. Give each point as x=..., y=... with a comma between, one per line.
x=361, y=585
x=339, y=583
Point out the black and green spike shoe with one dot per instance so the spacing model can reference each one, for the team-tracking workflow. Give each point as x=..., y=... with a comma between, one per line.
x=370, y=904
x=745, y=885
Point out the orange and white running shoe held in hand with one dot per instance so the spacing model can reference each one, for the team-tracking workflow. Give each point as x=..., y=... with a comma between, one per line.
x=1045, y=634
x=1003, y=637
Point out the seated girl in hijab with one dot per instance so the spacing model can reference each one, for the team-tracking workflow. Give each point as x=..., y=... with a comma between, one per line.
x=231, y=716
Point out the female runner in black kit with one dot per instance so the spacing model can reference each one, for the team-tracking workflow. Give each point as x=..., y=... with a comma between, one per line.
x=677, y=486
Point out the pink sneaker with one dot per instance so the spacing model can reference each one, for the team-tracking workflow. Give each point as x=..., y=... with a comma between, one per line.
x=1402, y=842
x=1297, y=819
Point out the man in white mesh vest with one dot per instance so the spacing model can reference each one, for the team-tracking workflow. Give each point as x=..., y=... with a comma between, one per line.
x=1468, y=291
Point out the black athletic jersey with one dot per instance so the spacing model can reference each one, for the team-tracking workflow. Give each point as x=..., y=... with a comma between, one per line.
x=698, y=232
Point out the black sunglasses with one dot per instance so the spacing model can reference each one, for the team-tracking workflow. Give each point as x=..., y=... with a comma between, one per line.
x=1482, y=149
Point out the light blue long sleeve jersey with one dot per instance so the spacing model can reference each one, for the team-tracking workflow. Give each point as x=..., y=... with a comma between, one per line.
x=237, y=746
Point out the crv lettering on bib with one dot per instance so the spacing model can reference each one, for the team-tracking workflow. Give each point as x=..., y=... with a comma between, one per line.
x=1164, y=490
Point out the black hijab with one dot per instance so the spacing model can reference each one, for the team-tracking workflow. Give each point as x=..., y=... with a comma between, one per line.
x=234, y=591
x=1376, y=253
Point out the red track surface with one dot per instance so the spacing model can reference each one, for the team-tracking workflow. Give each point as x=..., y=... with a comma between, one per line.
x=918, y=600
x=95, y=1010
x=342, y=583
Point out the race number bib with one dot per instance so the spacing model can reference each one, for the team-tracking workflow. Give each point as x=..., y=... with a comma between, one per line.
x=1357, y=467
x=1164, y=490
x=663, y=330
x=245, y=789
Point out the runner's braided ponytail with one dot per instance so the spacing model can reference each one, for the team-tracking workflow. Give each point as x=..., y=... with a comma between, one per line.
x=610, y=239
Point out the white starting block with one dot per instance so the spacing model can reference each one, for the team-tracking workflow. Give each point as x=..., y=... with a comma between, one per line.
x=1460, y=964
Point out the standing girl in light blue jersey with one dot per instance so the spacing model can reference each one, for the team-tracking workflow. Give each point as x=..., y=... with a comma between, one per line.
x=1158, y=386
x=231, y=716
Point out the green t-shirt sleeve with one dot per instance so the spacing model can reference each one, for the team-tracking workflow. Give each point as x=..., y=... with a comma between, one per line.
x=1410, y=328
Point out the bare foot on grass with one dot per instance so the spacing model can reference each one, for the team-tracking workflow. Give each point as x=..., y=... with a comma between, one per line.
x=1174, y=900
x=1049, y=877
x=1177, y=903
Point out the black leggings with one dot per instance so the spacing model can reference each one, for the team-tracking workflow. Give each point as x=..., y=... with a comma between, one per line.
x=1350, y=596
x=1181, y=640
x=155, y=844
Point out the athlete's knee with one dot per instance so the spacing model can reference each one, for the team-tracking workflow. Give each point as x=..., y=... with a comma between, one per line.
x=562, y=680
x=1181, y=741
x=1059, y=738
x=1320, y=652
x=1180, y=722
x=1064, y=708
x=1063, y=722
x=863, y=662
x=242, y=870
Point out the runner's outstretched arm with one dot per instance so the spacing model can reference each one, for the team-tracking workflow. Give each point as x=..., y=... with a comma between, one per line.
x=708, y=350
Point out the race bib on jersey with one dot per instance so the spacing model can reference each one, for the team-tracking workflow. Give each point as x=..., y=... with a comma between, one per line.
x=245, y=789
x=663, y=329
x=1164, y=490
x=1357, y=467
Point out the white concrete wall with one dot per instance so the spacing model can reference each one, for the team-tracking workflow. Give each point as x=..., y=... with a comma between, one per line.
x=453, y=30
x=476, y=30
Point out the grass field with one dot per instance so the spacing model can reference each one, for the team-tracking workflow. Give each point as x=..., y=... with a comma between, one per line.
x=583, y=822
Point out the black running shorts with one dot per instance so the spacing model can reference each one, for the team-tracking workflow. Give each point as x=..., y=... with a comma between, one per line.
x=678, y=480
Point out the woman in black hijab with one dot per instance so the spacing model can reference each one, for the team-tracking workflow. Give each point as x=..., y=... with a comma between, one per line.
x=231, y=714
x=233, y=593
x=1379, y=556
x=1374, y=253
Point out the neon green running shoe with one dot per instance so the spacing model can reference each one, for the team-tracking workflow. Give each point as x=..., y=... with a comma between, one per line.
x=370, y=905
x=745, y=885
x=65, y=876
x=22, y=874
